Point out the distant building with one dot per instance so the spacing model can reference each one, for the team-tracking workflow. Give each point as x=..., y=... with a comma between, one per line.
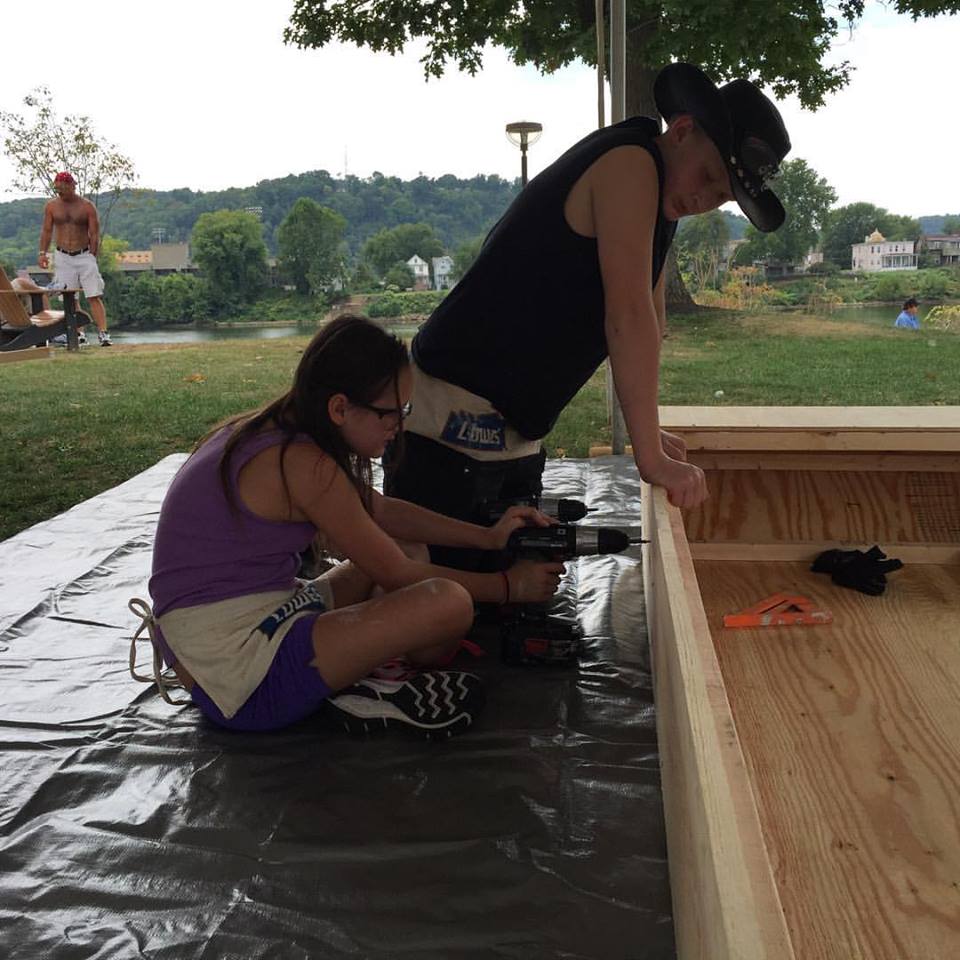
x=944, y=248
x=160, y=259
x=775, y=269
x=442, y=272
x=810, y=258
x=876, y=253
x=135, y=261
x=421, y=272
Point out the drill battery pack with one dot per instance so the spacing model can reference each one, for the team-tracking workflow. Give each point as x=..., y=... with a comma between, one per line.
x=533, y=638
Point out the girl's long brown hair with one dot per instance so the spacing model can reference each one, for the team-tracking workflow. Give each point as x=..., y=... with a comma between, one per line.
x=350, y=355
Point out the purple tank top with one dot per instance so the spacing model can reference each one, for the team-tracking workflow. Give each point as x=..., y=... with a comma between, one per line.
x=205, y=550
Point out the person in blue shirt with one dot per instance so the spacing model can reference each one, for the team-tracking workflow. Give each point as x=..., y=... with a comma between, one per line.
x=908, y=316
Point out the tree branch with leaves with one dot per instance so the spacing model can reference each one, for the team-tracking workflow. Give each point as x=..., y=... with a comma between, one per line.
x=41, y=144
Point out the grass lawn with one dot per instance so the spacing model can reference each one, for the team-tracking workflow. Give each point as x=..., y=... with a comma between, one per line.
x=80, y=424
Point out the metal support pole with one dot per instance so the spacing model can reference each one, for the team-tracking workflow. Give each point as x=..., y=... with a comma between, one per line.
x=618, y=99
x=523, y=165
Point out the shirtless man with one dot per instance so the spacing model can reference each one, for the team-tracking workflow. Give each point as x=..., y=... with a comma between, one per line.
x=74, y=224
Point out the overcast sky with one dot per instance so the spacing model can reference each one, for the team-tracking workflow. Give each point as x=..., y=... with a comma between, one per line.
x=204, y=94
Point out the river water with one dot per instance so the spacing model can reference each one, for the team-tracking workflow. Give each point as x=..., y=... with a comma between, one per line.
x=203, y=334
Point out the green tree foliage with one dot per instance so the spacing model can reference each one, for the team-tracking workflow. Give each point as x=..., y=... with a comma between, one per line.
x=309, y=246
x=700, y=245
x=362, y=279
x=400, y=276
x=42, y=145
x=386, y=247
x=464, y=256
x=457, y=209
x=422, y=303
x=849, y=224
x=149, y=299
x=806, y=198
x=228, y=247
x=780, y=42
x=951, y=224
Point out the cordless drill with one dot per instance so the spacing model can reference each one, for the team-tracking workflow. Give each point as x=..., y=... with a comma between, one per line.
x=564, y=541
x=529, y=635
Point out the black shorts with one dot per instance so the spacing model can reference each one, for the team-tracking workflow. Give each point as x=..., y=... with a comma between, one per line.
x=434, y=476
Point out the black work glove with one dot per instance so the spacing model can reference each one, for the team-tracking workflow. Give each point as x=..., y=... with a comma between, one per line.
x=866, y=572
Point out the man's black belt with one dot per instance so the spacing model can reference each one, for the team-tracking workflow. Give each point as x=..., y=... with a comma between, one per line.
x=73, y=253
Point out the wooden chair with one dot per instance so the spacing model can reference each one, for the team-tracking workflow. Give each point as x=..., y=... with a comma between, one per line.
x=21, y=329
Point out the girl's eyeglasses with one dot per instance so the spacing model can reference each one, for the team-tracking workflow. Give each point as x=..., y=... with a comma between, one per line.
x=398, y=413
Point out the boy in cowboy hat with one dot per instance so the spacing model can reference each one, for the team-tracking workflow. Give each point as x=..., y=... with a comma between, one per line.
x=573, y=272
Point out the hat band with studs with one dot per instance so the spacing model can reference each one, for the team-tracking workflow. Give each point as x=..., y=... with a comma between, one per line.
x=765, y=173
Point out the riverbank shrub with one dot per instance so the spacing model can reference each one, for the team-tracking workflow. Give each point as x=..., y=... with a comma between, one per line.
x=825, y=287
x=396, y=304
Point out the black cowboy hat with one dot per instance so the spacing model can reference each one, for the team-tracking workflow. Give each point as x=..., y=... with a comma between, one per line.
x=744, y=124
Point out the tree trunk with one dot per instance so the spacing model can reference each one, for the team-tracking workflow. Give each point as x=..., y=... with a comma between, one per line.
x=639, y=97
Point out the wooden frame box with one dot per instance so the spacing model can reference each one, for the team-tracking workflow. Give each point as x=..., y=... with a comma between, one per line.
x=811, y=774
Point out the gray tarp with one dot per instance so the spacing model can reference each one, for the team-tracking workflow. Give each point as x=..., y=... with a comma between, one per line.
x=130, y=828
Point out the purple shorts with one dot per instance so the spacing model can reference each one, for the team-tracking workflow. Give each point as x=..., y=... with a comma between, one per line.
x=291, y=690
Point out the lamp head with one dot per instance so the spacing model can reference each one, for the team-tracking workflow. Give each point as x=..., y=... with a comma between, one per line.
x=524, y=133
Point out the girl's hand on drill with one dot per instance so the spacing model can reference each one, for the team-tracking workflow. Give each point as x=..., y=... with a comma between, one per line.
x=513, y=519
x=533, y=581
x=685, y=483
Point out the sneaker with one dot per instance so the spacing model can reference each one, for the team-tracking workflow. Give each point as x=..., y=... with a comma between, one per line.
x=55, y=286
x=61, y=339
x=104, y=337
x=435, y=704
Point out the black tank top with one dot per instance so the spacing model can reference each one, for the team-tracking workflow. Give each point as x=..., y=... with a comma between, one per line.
x=524, y=327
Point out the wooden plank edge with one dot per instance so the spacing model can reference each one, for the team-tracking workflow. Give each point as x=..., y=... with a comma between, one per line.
x=725, y=900
x=737, y=419
x=921, y=440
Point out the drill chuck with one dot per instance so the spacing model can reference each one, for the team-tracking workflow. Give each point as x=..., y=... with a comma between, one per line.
x=562, y=509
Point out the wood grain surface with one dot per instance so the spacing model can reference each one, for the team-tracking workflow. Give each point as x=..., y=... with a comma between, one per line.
x=824, y=506
x=851, y=735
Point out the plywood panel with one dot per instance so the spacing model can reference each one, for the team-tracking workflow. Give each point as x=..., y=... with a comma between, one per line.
x=851, y=734
x=816, y=506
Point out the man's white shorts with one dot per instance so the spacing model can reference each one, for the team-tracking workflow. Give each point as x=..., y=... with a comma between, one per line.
x=78, y=272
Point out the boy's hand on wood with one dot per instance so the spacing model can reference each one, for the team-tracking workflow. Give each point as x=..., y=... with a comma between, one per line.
x=685, y=483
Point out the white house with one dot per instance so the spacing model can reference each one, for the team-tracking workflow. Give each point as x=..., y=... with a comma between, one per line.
x=421, y=272
x=442, y=272
x=876, y=253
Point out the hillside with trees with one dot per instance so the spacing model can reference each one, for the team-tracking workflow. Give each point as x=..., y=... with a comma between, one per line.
x=458, y=210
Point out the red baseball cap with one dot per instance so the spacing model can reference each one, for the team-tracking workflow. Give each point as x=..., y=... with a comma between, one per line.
x=64, y=178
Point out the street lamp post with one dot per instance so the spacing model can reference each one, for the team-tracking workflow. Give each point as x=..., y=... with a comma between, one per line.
x=522, y=135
